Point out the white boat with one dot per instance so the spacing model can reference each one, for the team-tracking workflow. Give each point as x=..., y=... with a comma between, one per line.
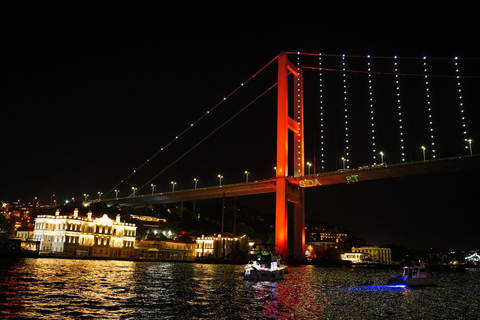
x=415, y=276
x=265, y=264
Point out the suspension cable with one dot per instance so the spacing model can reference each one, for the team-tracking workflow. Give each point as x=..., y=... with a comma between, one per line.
x=208, y=136
x=190, y=126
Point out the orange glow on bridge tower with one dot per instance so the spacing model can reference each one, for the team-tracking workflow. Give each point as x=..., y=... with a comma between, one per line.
x=286, y=193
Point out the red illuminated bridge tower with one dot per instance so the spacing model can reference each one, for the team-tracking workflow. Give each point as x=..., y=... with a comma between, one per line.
x=285, y=192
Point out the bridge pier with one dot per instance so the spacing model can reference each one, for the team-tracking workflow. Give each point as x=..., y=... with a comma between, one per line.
x=281, y=218
x=284, y=192
x=299, y=226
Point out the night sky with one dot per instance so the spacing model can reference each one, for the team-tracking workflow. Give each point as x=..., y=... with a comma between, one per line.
x=90, y=92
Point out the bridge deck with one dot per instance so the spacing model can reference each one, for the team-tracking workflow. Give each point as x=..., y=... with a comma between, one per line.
x=388, y=171
x=314, y=180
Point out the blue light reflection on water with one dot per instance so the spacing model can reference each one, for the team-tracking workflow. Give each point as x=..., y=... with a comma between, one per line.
x=390, y=287
x=79, y=289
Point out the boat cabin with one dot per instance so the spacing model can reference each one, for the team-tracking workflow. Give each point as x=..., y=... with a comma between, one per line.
x=262, y=252
x=415, y=272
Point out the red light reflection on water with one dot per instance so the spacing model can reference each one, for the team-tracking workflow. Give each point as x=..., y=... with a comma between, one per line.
x=11, y=303
x=290, y=299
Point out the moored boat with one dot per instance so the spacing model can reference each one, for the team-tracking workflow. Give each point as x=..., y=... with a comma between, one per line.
x=264, y=264
x=19, y=248
x=415, y=276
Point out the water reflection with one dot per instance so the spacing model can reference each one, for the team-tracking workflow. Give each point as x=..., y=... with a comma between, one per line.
x=282, y=300
x=69, y=288
x=84, y=289
x=391, y=287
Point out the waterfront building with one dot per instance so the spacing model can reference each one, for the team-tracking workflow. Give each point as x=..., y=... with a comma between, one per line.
x=322, y=238
x=356, y=257
x=323, y=233
x=166, y=249
x=320, y=246
x=220, y=245
x=319, y=239
x=80, y=236
x=24, y=233
x=154, y=226
x=473, y=259
x=148, y=219
x=18, y=248
x=328, y=236
x=377, y=254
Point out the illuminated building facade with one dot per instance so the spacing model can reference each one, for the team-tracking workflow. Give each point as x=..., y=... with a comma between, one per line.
x=220, y=245
x=473, y=259
x=321, y=238
x=24, y=233
x=356, y=257
x=321, y=233
x=77, y=236
x=377, y=254
x=166, y=249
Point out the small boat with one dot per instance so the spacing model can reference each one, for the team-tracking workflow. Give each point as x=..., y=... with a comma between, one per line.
x=19, y=248
x=265, y=264
x=415, y=276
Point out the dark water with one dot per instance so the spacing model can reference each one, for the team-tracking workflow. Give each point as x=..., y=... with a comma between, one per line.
x=79, y=289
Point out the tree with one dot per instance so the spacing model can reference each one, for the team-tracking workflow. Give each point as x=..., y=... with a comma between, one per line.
x=3, y=223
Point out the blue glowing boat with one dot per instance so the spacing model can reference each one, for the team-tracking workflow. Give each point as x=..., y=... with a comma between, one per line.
x=265, y=264
x=415, y=276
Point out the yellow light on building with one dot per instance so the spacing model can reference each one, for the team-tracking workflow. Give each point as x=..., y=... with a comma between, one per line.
x=71, y=234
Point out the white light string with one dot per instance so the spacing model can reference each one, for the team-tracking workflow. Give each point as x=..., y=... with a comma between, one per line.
x=372, y=115
x=460, y=104
x=208, y=136
x=345, y=105
x=429, y=108
x=190, y=126
x=298, y=116
x=399, y=109
x=322, y=137
x=377, y=57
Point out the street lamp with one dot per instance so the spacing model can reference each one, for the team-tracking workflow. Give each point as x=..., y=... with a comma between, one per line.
x=173, y=185
x=470, y=145
x=344, y=160
x=220, y=180
x=246, y=174
x=85, y=196
x=381, y=155
x=134, y=190
x=116, y=193
x=309, y=165
x=423, y=149
x=195, y=180
x=99, y=195
x=153, y=187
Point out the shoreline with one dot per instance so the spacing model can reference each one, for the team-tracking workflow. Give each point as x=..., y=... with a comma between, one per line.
x=324, y=264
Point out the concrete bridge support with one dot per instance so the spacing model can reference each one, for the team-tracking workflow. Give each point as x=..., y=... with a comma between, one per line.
x=284, y=192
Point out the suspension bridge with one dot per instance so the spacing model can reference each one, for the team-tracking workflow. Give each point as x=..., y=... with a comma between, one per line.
x=344, y=118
